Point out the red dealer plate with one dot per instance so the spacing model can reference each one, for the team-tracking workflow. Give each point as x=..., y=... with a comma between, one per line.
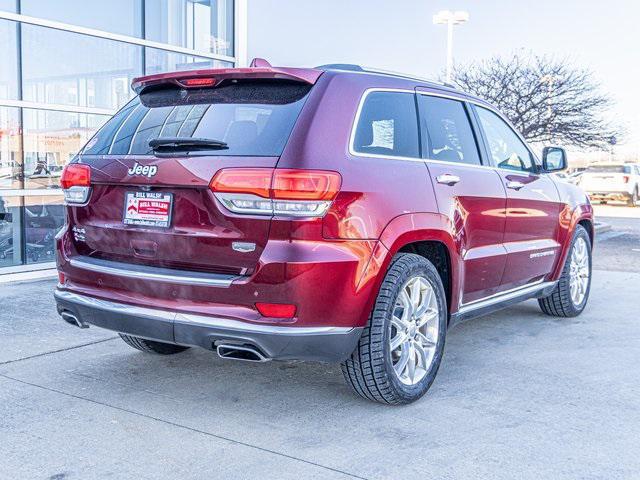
x=149, y=209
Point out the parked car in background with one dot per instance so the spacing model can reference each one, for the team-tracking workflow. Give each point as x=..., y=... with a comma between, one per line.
x=574, y=177
x=615, y=182
x=562, y=176
x=332, y=214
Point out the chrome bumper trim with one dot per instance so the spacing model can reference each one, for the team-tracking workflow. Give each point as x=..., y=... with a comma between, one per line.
x=113, y=307
x=158, y=274
x=194, y=319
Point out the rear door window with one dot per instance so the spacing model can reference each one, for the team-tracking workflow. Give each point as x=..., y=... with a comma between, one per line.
x=388, y=125
x=446, y=130
x=253, y=118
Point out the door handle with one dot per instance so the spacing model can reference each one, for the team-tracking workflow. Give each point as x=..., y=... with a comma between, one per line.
x=513, y=185
x=448, y=179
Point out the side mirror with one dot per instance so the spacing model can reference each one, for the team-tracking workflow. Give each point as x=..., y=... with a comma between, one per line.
x=554, y=159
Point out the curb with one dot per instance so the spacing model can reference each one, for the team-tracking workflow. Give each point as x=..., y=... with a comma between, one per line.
x=19, y=277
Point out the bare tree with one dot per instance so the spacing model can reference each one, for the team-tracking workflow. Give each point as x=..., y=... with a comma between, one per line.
x=548, y=100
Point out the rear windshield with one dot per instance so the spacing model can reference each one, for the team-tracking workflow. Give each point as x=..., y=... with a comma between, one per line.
x=609, y=169
x=253, y=118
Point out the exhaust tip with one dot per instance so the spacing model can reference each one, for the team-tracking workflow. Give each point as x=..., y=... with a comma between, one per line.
x=246, y=353
x=73, y=320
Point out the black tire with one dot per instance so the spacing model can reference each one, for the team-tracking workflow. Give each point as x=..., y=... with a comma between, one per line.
x=559, y=303
x=370, y=370
x=632, y=201
x=150, y=346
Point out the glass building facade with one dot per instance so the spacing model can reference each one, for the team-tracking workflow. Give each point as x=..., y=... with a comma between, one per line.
x=65, y=68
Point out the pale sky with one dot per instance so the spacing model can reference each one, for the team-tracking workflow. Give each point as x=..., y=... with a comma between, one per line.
x=603, y=36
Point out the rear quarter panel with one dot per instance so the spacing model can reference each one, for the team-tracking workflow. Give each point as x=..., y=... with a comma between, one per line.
x=387, y=200
x=575, y=207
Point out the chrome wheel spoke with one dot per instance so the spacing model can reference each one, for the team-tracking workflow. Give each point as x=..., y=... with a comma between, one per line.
x=405, y=302
x=399, y=339
x=403, y=360
x=429, y=315
x=424, y=341
x=411, y=364
x=415, y=293
x=399, y=323
x=423, y=356
x=425, y=303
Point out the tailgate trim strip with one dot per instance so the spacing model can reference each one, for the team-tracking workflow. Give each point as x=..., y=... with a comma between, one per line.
x=158, y=274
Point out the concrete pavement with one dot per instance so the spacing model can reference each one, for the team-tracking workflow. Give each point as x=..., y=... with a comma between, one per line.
x=519, y=395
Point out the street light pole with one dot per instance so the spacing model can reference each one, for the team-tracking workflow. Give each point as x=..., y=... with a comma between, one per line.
x=449, y=18
x=449, y=49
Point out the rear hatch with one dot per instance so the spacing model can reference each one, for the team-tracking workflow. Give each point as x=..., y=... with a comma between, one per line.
x=606, y=178
x=154, y=207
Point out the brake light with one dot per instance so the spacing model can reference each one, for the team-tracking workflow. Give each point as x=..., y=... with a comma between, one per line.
x=625, y=178
x=276, y=310
x=76, y=183
x=268, y=191
x=198, y=82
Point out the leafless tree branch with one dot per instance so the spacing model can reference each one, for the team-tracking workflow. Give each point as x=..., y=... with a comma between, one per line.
x=548, y=100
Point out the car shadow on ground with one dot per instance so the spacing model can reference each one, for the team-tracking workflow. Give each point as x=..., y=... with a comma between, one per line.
x=198, y=375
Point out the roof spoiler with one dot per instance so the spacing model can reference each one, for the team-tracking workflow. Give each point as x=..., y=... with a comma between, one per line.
x=259, y=69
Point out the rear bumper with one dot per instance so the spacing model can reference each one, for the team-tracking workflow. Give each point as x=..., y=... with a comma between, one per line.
x=322, y=343
x=614, y=196
x=330, y=282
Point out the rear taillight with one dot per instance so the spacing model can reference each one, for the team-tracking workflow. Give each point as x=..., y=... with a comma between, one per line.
x=625, y=178
x=268, y=191
x=76, y=183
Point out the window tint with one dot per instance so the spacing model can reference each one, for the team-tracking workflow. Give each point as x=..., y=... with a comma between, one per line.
x=253, y=118
x=388, y=125
x=505, y=147
x=446, y=130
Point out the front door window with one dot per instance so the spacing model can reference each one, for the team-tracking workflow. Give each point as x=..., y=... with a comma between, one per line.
x=505, y=147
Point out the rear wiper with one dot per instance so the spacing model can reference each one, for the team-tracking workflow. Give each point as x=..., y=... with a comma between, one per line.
x=185, y=144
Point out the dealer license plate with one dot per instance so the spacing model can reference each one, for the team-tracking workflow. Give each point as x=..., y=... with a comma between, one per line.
x=150, y=209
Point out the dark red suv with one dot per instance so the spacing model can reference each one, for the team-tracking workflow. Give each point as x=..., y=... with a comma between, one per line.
x=331, y=214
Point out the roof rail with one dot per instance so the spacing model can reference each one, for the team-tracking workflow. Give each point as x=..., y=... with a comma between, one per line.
x=357, y=68
x=341, y=66
x=412, y=77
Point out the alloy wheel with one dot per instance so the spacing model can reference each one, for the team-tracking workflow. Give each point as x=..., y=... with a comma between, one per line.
x=414, y=330
x=579, y=271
